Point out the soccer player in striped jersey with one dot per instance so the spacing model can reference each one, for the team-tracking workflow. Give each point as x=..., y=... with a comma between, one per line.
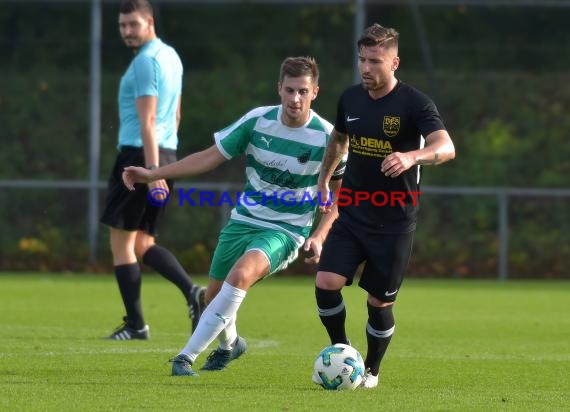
x=284, y=146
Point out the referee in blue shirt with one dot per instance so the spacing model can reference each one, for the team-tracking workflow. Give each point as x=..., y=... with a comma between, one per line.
x=149, y=114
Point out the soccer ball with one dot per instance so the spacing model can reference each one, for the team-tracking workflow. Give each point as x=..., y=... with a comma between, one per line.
x=338, y=367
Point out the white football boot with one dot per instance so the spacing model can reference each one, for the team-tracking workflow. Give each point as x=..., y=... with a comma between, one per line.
x=369, y=381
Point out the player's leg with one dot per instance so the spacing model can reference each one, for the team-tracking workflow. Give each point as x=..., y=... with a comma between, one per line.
x=382, y=278
x=128, y=275
x=227, y=338
x=339, y=261
x=250, y=268
x=277, y=250
x=122, y=213
x=330, y=305
x=220, y=313
x=213, y=288
x=246, y=254
x=229, y=334
x=165, y=263
x=231, y=245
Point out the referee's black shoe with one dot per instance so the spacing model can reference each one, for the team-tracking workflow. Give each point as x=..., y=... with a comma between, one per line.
x=197, y=304
x=125, y=332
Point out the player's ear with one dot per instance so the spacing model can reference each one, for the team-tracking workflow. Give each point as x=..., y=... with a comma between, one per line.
x=150, y=20
x=395, y=63
x=315, y=92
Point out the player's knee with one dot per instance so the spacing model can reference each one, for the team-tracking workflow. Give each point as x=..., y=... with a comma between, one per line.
x=142, y=245
x=374, y=301
x=330, y=281
x=241, y=278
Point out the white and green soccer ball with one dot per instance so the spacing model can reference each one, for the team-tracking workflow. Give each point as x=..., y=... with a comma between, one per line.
x=338, y=367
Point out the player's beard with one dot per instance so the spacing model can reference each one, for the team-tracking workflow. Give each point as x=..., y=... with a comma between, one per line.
x=295, y=117
x=372, y=84
x=132, y=43
x=137, y=41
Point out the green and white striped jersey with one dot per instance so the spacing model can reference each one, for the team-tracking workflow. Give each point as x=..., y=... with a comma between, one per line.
x=282, y=169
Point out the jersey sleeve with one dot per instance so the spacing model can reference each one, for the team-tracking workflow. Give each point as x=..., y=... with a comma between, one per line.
x=233, y=140
x=339, y=123
x=426, y=115
x=146, y=78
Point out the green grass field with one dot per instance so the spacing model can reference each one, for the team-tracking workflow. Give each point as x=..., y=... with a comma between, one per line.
x=458, y=346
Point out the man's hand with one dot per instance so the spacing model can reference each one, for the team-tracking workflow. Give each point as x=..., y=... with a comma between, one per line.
x=136, y=174
x=397, y=163
x=159, y=191
x=324, y=199
x=316, y=245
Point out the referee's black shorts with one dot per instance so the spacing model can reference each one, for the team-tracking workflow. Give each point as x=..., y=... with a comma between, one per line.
x=128, y=210
x=385, y=257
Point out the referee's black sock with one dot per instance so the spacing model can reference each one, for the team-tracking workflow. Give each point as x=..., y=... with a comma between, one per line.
x=129, y=279
x=332, y=313
x=379, y=331
x=163, y=261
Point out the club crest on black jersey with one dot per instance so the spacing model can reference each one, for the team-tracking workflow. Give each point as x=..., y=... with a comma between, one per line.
x=391, y=125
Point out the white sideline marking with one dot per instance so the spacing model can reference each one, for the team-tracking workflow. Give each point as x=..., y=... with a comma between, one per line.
x=255, y=343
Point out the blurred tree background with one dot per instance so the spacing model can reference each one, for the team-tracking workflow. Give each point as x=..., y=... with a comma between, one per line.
x=499, y=76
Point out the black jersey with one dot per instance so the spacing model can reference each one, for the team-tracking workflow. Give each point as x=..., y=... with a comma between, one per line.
x=376, y=128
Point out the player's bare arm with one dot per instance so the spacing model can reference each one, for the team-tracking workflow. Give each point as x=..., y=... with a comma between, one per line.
x=335, y=151
x=146, y=111
x=191, y=165
x=178, y=112
x=315, y=242
x=438, y=149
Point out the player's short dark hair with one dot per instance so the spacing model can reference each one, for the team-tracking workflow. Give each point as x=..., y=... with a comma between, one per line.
x=130, y=6
x=377, y=35
x=298, y=67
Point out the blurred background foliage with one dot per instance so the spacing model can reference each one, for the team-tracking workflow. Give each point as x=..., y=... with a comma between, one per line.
x=499, y=76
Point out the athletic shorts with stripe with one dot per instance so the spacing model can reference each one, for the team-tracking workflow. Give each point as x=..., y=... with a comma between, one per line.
x=385, y=257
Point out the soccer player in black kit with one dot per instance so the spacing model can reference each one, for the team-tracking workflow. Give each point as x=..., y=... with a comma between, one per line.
x=390, y=131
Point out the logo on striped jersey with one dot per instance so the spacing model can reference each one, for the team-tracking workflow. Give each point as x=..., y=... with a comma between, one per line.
x=304, y=157
x=266, y=141
x=282, y=178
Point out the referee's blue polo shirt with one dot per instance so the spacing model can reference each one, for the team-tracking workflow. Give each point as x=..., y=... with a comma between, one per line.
x=157, y=71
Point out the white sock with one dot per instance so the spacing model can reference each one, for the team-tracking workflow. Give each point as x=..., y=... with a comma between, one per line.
x=218, y=315
x=228, y=336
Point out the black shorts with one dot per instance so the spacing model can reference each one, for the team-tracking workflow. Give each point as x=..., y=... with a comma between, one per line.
x=128, y=210
x=385, y=256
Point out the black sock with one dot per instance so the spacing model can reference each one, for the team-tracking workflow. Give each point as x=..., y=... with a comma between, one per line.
x=163, y=261
x=379, y=331
x=332, y=313
x=129, y=280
